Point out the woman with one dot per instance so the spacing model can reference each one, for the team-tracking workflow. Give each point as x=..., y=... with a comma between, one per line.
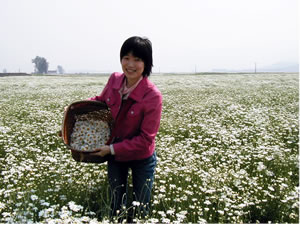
x=136, y=105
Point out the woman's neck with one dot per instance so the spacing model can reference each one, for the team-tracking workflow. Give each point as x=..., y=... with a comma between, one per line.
x=130, y=82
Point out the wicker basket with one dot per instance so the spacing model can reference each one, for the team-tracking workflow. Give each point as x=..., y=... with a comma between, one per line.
x=80, y=108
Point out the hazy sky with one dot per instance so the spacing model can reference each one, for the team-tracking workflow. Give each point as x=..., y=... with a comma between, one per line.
x=185, y=34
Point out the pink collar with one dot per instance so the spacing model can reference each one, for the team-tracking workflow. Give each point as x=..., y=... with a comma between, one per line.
x=125, y=91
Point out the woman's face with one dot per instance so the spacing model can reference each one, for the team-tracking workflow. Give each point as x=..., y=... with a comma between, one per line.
x=133, y=67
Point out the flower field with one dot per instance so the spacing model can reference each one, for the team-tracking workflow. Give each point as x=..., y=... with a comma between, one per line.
x=227, y=149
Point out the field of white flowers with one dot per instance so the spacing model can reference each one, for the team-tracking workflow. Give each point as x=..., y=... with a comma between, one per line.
x=227, y=151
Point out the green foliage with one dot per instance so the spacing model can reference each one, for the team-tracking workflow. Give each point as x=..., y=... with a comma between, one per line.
x=227, y=151
x=41, y=65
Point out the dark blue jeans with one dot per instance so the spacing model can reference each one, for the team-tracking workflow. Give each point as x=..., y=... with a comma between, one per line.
x=142, y=181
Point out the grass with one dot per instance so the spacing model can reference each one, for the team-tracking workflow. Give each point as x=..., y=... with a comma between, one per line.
x=227, y=150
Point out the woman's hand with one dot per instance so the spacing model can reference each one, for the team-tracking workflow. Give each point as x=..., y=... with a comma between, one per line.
x=102, y=151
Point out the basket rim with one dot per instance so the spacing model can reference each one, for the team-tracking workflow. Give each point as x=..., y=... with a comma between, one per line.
x=64, y=119
x=85, y=151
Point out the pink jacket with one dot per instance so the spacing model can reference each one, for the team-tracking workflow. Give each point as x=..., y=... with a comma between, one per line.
x=137, y=131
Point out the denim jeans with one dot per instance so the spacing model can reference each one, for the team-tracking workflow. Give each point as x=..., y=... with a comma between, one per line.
x=142, y=181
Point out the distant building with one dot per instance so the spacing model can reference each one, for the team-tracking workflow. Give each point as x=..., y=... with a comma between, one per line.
x=52, y=72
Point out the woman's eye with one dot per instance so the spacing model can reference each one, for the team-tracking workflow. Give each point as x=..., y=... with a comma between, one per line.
x=138, y=59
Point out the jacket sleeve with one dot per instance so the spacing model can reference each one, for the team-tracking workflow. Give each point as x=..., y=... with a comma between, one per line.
x=144, y=143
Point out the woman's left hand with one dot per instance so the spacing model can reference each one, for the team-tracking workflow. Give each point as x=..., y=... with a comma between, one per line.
x=102, y=151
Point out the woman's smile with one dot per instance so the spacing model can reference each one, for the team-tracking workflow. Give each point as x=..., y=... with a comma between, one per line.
x=130, y=70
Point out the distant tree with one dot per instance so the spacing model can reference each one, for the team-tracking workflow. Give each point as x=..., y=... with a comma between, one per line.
x=4, y=71
x=60, y=69
x=41, y=64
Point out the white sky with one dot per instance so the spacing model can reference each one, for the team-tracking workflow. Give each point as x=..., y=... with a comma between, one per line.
x=185, y=34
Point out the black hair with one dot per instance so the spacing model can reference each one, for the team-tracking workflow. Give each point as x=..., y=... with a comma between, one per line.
x=141, y=48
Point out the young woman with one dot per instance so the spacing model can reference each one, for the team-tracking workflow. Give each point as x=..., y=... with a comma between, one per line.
x=136, y=105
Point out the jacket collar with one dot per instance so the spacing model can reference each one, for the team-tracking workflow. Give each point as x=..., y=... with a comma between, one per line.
x=137, y=93
x=118, y=82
